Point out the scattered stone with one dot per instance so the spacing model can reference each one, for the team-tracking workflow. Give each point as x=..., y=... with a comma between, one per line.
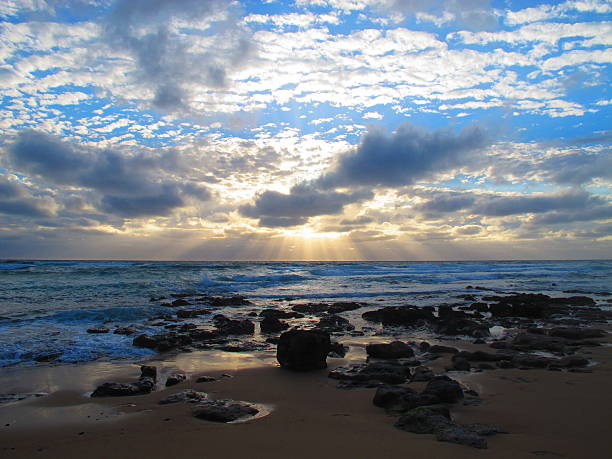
x=460, y=364
x=437, y=349
x=144, y=385
x=181, y=302
x=422, y=374
x=227, y=326
x=47, y=356
x=191, y=313
x=462, y=436
x=303, y=350
x=446, y=389
x=175, y=379
x=125, y=330
x=223, y=410
x=100, y=329
x=204, y=379
x=408, y=316
x=272, y=325
x=276, y=314
x=187, y=395
x=337, y=350
x=394, y=350
x=372, y=374
x=334, y=324
x=425, y=419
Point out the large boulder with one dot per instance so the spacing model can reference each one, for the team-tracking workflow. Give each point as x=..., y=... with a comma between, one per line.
x=407, y=316
x=272, y=325
x=146, y=383
x=446, y=389
x=303, y=350
x=394, y=350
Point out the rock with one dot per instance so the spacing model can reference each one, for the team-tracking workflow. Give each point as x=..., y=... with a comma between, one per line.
x=231, y=301
x=424, y=346
x=181, y=302
x=337, y=350
x=47, y=356
x=460, y=326
x=125, y=330
x=191, y=313
x=9, y=398
x=571, y=361
x=394, y=350
x=372, y=374
x=146, y=383
x=425, y=420
x=187, y=395
x=408, y=316
x=203, y=379
x=223, y=410
x=461, y=364
x=227, y=326
x=175, y=379
x=461, y=435
x=334, y=324
x=437, y=349
x=162, y=342
x=422, y=374
x=303, y=350
x=529, y=341
x=576, y=333
x=100, y=329
x=446, y=389
x=532, y=361
x=276, y=314
x=272, y=325
x=480, y=307
x=391, y=396
x=148, y=371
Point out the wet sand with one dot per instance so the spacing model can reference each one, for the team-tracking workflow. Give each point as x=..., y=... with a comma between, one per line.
x=548, y=414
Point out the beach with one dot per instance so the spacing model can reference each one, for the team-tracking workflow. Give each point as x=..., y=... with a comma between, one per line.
x=331, y=360
x=549, y=414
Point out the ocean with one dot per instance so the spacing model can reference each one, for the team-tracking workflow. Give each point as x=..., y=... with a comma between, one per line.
x=47, y=306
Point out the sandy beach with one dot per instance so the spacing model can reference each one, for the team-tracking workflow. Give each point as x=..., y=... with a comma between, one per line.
x=547, y=413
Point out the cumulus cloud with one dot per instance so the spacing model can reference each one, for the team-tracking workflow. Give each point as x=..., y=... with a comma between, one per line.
x=171, y=61
x=16, y=200
x=303, y=201
x=130, y=186
x=408, y=155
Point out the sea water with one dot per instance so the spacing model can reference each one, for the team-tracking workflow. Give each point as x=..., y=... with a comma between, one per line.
x=47, y=306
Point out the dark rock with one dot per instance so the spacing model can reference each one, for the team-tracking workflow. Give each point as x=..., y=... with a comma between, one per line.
x=175, y=379
x=394, y=350
x=479, y=341
x=529, y=341
x=203, y=379
x=125, y=331
x=505, y=364
x=272, y=325
x=231, y=301
x=148, y=371
x=480, y=307
x=276, y=314
x=187, y=395
x=571, y=361
x=425, y=420
x=446, y=389
x=332, y=323
x=113, y=389
x=223, y=410
x=303, y=350
x=391, y=396
x=337, y=350
x=162, y=342
x=424, y=346
x=461, y=435
x=379, y=372
x=422, y=374
x=437, y=349
x=47, y=356
x=485, y=366
x=531, y=361
x=459, y=326
x=461, y=364
x=145, y=340
x=576, y=333
x=227, y=326
x=480, y=356
x=408, y=316
x=181, y=302
x=191, y=313
x=101, y=329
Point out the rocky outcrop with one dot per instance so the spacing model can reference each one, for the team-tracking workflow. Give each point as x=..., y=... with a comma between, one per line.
x=226, y=326
x=371, y=374
x=223, y=410
x=175, y=379
x=393, y=350
x=407, y=316
x=272, y=325
x=303, y=350
x=187, y=395
x=144, y=385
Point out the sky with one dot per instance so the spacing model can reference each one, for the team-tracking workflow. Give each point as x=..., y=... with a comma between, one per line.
x=305, y=129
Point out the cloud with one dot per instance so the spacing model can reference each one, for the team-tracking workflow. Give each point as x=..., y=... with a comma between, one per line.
x=450, y=202
x=131, y=186
x=303, y=201
x=403, y=158
x=170, y=59
x=16, y=200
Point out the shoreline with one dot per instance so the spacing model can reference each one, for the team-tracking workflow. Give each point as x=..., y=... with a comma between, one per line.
x=547, y=413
